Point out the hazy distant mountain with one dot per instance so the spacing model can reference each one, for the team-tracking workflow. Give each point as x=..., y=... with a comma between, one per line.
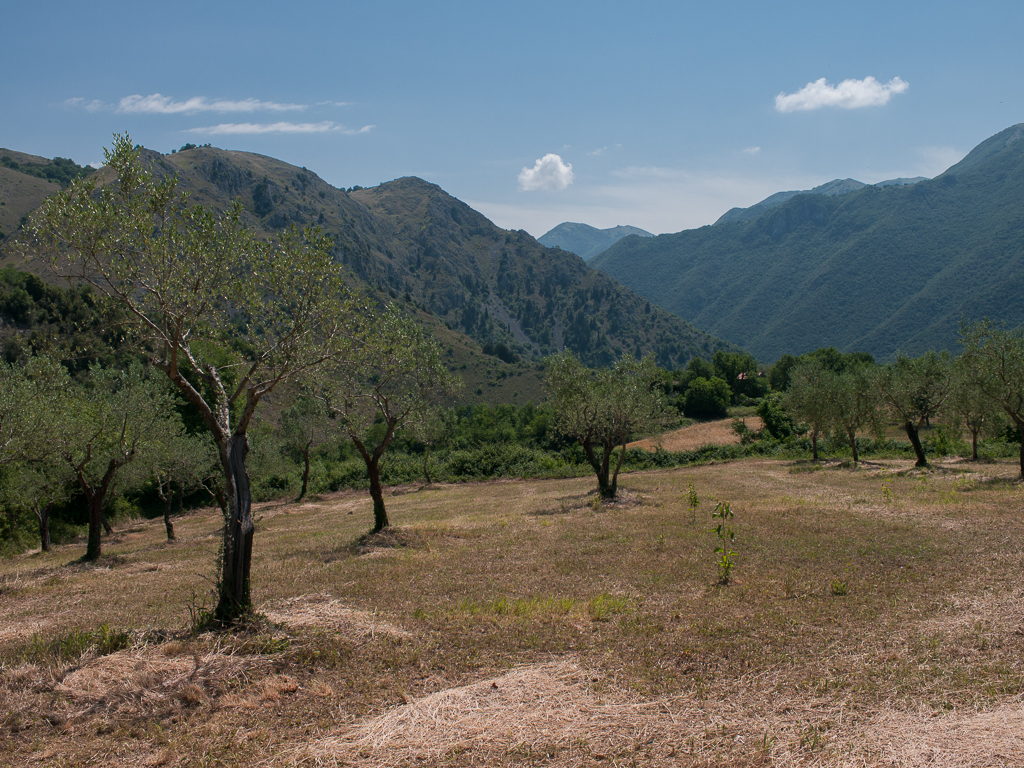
x=587, y=241
x=834, y=187
x=880, y=269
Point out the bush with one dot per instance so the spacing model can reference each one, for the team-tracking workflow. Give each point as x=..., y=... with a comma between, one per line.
x=777, y=422
x=706, y=398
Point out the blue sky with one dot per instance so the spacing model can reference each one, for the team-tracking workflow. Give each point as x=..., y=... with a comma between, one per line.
x=662, y=115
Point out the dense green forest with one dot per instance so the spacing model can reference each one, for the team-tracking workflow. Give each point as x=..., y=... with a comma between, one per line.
x=59, y=170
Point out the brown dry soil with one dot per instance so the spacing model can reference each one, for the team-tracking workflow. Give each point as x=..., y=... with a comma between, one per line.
x=875, y=617
x=718, y=432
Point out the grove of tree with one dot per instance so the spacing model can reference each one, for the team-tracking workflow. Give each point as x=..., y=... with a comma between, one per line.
x=227, y=317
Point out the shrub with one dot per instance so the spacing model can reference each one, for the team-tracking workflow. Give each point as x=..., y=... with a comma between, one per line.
x=706, y=398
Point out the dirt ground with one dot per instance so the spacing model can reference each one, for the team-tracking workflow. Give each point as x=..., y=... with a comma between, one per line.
x=690, y=438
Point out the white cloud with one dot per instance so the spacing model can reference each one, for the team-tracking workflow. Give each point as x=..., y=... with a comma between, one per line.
x=158, y=104
x=849, y=94
x=550, y=173
x=751, y=150
x=283, y=127
x=93, y=105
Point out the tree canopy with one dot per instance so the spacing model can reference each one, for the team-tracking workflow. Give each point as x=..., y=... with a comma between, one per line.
x=227, y=317
x=603, y=408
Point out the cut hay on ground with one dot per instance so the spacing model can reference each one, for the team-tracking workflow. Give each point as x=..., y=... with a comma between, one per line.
x=148, y=682
x=551, y=714
x=993, y=738
x=535, y=710
x=319, y=610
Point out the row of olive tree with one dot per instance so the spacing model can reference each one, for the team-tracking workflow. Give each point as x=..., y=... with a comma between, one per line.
x=228, y=318
x=106, y=432
x=974, y=391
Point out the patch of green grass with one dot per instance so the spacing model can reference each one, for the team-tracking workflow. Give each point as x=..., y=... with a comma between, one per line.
x=71, y=645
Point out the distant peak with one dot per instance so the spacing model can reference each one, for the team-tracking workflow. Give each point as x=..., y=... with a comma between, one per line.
x=587, y=241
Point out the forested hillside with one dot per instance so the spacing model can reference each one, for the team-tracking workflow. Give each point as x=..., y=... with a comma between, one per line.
x=881, y=269
x=408, y=239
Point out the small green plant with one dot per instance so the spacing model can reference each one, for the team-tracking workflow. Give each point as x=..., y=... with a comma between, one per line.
x=887, y=495
x=604, y=605
x=725, y=556
x=70, y=646
x=739, y=426
x=838, y=587
x=693, y=501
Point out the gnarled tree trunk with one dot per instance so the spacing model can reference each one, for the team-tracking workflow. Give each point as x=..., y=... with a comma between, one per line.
x=380, y=513
x=43, y=517
x=915, y=440
x=233, y=599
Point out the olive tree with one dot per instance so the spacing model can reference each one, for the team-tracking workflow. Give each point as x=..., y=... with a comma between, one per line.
x=305, y=426
x=35, y=487
x=31, y=394
x=391, y=381
x=914, y=390
x=184, y=460
x=969, y=407
x=107, y=423
x=993, y=363
x=809, y=398
x=227, y=316
x=602, y=409
x=854, y=406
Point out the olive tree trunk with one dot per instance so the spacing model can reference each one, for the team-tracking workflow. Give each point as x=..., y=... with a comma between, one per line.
x=164, y=490
x=233, y=599
x=372, y=459
x=43, y=517
x=915, y=440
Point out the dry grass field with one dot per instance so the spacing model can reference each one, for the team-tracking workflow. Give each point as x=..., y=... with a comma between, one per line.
x=876, y=618
x=717, y=432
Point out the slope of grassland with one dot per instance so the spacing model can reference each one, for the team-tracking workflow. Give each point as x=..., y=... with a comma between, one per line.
x=876, y=618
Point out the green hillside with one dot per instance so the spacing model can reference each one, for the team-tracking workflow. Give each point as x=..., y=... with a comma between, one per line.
x=499, y=300
x=881, y=269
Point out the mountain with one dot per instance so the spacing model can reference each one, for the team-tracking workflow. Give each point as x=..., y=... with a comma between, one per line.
x=587, y=241
x=499, y=300
x=834, y=187
x=879, y=269
x=22, y=187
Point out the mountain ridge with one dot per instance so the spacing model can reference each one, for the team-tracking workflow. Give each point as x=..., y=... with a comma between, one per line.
x=587, y=241
x=410, y=242
x=880, y=269
x=834, y=187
